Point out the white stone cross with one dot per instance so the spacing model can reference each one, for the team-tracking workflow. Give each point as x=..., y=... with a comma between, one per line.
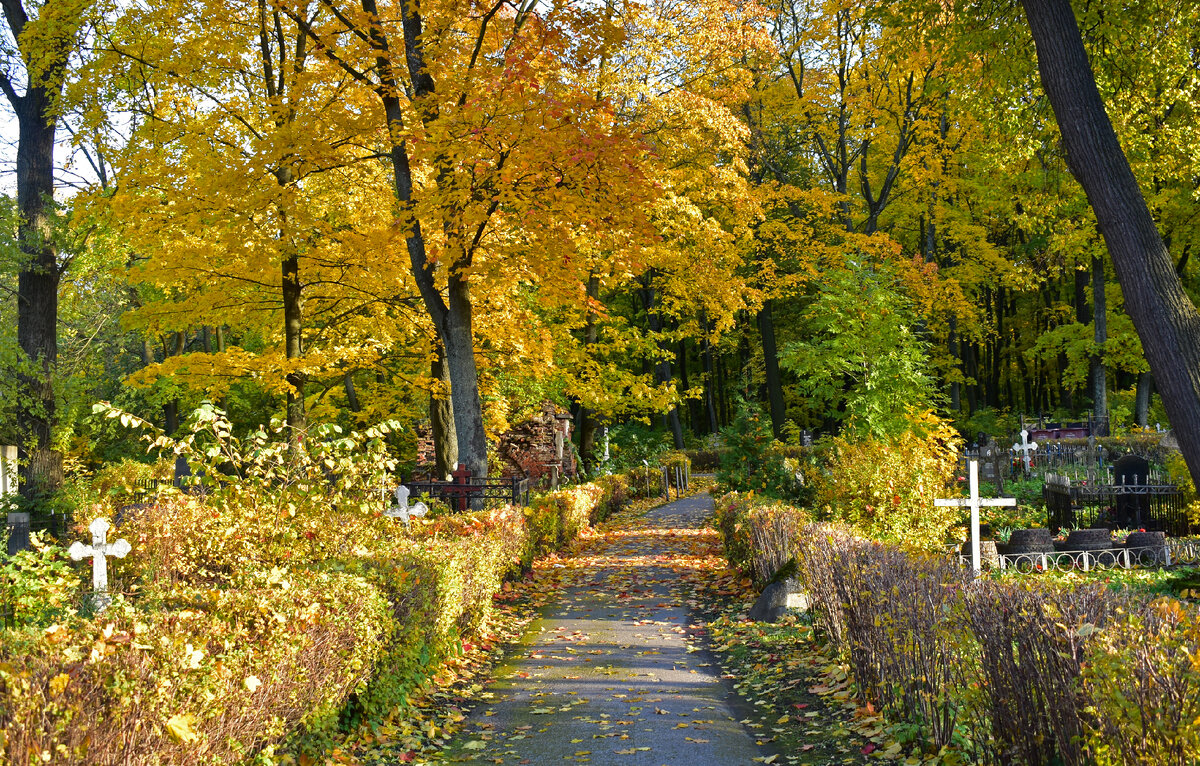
x=1025, y=447
x=99, y=548
x=974, y=502
x=401, y=509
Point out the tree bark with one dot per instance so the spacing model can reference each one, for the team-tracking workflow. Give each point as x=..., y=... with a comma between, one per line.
x=40, y=274
x=1166, y=320
x=766, y=330
x=587, y=420
x=1099, y=372
x=711, y=389
x=293, y=344
x=1141, y=409
x=351, y=392
x=441, y=418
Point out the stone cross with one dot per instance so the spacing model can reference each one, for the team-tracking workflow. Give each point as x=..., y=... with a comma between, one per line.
x=1025, y=448
x=402, y=511
x=974, y=502
x=99, y=548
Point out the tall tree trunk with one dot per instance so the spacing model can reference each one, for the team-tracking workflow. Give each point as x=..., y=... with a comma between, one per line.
x=453, y=316
x=1141, y=409
x=171, y=408
x=711, y=389
x=766, y=331
x=441, y=418
x=662, y=370
x=952, y=344
x=38, y=279
x=293, y=344
x=1099, y=372
x=351, y=392
x=459, y=342
x=1166, y=320
x=587, y=419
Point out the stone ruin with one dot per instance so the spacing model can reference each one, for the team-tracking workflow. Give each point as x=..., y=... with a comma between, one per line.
x=538, y=449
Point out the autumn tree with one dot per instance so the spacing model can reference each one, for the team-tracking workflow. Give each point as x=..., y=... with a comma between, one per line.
x=41, y=40
x=1165, y=317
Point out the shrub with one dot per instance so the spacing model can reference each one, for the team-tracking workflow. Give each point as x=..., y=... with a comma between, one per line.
x=221, y=674
x=1142, y=682
x=278, y=603
x=39, y=584
x=1031, y=641
x=705, y=460
x=886, y=486
x=749, y=462
x=615, y=494
x=759, y=534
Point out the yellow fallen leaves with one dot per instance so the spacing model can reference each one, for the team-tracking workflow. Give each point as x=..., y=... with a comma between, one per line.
x=179, y=728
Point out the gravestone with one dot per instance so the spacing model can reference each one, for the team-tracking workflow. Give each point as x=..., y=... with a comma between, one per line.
x=777, y=599
x=98, y=550
x=974, y=502
x=183, y=471
x=1026, y=447
x=402, y=510
x=1132, y=509
x=18, y=533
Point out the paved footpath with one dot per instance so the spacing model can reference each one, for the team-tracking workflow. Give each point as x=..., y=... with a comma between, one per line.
x=607, y=675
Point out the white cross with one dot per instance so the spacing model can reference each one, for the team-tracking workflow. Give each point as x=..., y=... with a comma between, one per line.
x=401, y=509
x=1026, y=447
x=99, y=548
x=974, y=502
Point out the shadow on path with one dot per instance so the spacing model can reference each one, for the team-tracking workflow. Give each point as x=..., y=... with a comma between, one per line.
x=606, y=675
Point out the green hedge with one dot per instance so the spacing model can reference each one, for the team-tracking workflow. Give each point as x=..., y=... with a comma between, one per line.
x=214, y=667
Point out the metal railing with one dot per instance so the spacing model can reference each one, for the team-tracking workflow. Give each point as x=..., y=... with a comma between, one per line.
x=1155, y=507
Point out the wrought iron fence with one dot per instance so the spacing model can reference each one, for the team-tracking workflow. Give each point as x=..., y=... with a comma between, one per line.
x=1155, y=507
x=1168, y=554
x=458, y=494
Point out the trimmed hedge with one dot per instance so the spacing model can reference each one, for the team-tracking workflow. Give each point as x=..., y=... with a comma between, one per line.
x=335, y=623
x=759, y=534
x=1012, y=672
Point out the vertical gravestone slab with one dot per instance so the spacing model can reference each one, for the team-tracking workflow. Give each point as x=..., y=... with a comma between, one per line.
x=18, y=533
x=1132, y=510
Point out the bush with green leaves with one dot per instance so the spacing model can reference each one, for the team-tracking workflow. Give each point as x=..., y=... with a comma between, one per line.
x=885, y=487
x=40, y=584
x=750, y=462
x=278, y=603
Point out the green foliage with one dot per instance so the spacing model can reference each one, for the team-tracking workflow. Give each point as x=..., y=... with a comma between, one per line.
x=749, y=462
x=40, y=584
x=860, y=361
x=632, y=442
x=885, y=486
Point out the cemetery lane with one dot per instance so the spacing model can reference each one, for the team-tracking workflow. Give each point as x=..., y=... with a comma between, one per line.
x=609, y=674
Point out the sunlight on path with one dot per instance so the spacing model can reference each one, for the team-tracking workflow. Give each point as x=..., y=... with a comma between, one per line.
x=608, y=674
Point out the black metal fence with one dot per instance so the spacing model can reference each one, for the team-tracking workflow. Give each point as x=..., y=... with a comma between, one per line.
x=462, y=494
x=1153, y=507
